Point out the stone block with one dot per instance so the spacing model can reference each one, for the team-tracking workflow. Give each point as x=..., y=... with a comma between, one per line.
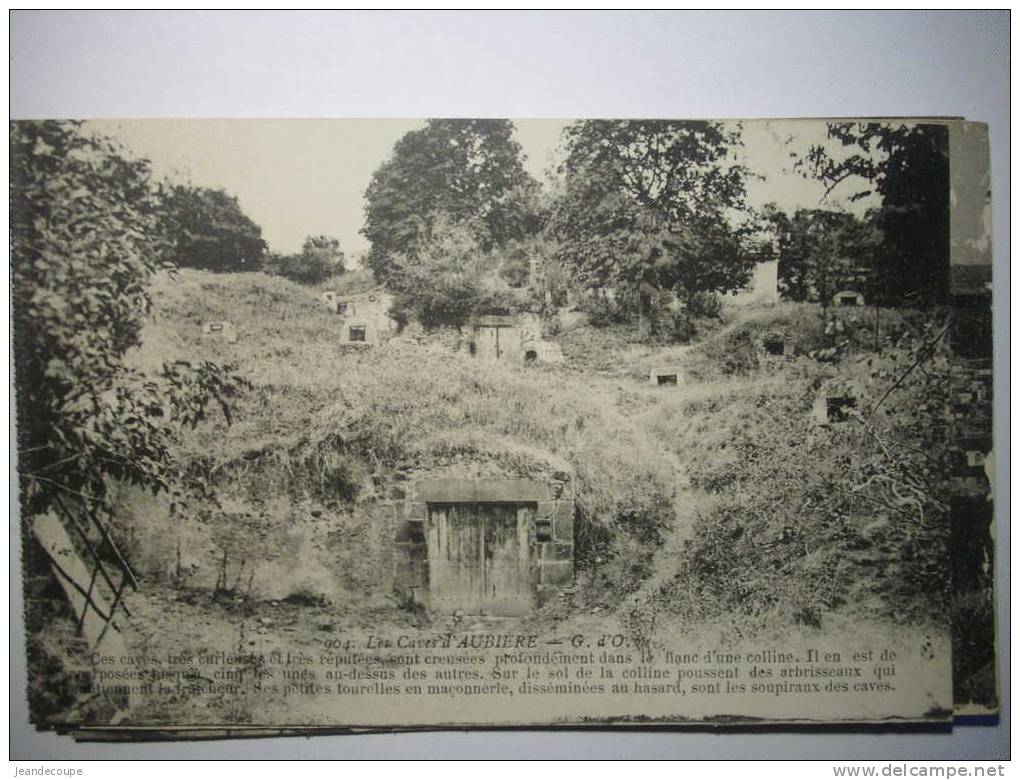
x=563, y=526
x=409, y=531
x=557, y=573
x=417, y=532
x=543, y=530
x=417, y=510
x=545, y=509
x=481, y=490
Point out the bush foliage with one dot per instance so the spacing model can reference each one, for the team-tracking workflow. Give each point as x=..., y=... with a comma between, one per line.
x=320, y=259
x=87, y=237
x=209, y=230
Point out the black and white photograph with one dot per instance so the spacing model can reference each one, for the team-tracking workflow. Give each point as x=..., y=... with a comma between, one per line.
x=450, y=422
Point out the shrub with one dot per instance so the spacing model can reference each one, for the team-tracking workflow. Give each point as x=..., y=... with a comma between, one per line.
x=449, y=278
x=603, y=310
x=300, y=268
x=320, y=259
x=704, y=304
x=88, y=235
x=811, y=517
x=209, y=229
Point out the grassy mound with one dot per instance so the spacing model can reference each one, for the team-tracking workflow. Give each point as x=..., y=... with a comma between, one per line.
x=319, y=422
x=785, y=521
x=811, y=519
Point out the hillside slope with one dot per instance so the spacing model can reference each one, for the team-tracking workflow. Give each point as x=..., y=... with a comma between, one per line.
x=711, y=501
x=719, y=508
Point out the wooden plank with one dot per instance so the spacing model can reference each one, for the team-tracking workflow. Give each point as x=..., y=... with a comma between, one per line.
x=507, y=586
x=74, y=577
x=479, y=558
x=72, y=518
x=487, y=344
x=454, y=542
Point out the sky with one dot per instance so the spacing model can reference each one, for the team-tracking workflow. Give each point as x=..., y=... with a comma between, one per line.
x=301, y=177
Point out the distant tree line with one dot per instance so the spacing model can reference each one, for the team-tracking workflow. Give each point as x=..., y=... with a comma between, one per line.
x=208, y=230
x=646, y=211
x=458, y=227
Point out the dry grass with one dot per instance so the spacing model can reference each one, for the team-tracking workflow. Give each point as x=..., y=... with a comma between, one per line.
x=685, y=471
x=318, y=420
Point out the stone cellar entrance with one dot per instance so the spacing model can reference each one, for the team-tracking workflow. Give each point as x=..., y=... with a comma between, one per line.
x=665, y=376
x=485, y=545
x=479, y=559
x=838, y=408
x=774, y=345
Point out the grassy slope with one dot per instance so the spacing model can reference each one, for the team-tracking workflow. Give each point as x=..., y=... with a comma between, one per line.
x=714, y=489
x=676, y=465
x=318, y=418
x=394, y=402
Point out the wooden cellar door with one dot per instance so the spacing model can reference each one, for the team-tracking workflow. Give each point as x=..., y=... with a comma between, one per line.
x=488, y=343
x=479, y=558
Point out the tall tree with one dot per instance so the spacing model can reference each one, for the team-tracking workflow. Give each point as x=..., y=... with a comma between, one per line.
x=210, y=230
x=907, y=165
x=649, y=205
x=822, y=252
x=468, y=170
x=327, y=250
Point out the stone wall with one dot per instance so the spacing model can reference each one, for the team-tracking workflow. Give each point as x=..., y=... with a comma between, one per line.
x=519, y=338
x=368, y=310
x=408, y=491
x=666, y=376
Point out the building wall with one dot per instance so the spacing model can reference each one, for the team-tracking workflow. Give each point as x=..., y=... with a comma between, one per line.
x=369, y=310
x=505, y=337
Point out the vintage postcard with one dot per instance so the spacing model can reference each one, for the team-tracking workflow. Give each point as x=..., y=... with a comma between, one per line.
x=365, y=424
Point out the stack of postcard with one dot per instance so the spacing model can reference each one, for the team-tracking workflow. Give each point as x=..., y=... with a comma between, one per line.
x=336, y=425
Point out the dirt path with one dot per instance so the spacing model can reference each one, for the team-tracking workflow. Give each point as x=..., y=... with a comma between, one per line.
x=685, y=504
